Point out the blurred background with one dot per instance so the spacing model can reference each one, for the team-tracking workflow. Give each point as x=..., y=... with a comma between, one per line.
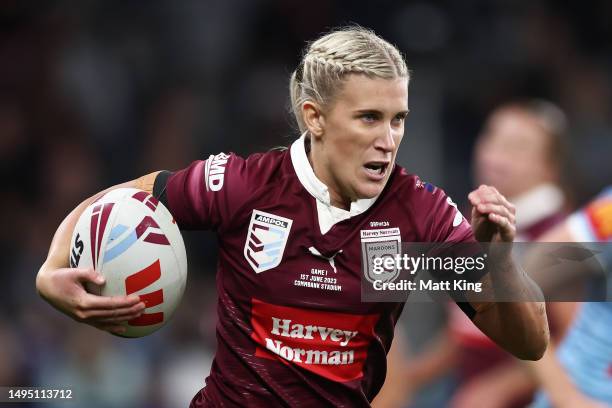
x=93, y=93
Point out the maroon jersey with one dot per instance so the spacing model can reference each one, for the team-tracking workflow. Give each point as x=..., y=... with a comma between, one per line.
x=292, y=330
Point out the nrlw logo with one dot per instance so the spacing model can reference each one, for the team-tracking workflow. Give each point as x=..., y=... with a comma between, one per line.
x=266, y=239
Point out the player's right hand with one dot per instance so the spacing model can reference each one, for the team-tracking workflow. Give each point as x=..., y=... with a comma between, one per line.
x=64, y=289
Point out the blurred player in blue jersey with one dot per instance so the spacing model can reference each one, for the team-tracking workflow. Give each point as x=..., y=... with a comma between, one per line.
x=579, y=372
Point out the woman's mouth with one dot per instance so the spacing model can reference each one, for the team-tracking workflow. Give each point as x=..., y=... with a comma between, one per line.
x=376, y=170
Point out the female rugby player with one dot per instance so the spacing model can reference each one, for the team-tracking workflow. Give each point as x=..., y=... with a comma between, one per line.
x=308, y=210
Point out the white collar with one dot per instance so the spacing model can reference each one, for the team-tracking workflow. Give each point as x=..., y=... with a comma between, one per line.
x=328, y=214
x=536, y=204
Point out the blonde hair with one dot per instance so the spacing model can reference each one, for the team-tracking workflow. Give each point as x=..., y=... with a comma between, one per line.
x=328, y=60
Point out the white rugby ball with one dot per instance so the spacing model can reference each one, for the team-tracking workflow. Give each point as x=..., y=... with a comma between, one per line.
x=131, y=238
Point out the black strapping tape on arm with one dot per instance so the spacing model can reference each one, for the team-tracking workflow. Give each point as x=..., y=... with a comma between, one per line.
x=159, y=187
x=468, y=309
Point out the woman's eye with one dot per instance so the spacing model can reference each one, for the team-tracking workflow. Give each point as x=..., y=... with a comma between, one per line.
x=368, y=117
x=400, y=117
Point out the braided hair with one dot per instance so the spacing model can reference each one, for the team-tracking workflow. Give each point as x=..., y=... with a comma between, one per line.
x=327, y=61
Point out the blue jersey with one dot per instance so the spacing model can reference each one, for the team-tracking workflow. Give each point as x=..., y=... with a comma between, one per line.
x=586, y=352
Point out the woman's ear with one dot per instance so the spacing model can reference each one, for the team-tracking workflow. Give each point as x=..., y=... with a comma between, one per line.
x=313, y=118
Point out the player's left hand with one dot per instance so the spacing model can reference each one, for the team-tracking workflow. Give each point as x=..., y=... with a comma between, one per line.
x=493, y=217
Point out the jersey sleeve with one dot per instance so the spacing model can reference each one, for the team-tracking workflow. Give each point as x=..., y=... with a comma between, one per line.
x=444, y=222
x=205, y=195
x=593, y=222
